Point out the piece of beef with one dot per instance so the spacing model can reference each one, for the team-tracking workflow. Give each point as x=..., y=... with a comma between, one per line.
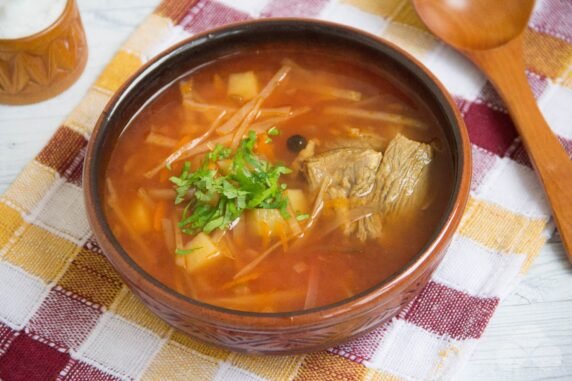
x=401, y=184
x=352, y=172
x=389, y=183
x=402, y=175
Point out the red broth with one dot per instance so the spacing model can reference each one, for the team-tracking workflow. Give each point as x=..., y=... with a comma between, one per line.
x=300, y=273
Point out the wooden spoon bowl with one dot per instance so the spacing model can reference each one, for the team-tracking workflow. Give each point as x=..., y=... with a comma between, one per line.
x=475, y=25
x=490, y=33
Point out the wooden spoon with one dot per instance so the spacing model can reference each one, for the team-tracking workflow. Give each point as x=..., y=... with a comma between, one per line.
x=490, y=33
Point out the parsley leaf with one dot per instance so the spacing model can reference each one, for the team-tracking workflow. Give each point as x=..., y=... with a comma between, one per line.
x=273, y=131
x=215, y=200
x=187, y=251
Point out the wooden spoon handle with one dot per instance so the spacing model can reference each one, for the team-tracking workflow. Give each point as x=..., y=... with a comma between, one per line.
x=505, y=68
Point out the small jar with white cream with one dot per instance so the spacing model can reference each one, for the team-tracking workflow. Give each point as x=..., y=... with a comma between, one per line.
x=43, y=49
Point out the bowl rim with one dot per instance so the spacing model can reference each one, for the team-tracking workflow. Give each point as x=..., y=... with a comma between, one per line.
x=418, y=264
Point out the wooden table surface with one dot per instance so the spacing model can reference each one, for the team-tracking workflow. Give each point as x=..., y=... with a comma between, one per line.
x=530, y=336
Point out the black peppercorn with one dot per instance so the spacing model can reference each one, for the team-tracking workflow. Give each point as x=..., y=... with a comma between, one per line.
x=296, y=143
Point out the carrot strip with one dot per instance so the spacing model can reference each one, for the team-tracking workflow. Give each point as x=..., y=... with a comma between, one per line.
x=265, y=230
x=184, y=140
x=245, y=279
x=158, y=215
x=179, y=244
x=168, y=234
x=264, y=148
x=283, y=238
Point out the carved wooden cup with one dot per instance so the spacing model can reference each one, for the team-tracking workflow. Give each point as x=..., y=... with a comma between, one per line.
x=40, y=66
x=299, y=331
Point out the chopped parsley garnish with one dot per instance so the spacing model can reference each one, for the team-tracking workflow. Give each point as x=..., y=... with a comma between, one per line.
x=273, y=131
x=302, y=217
x=214, y=200
x=187, y=251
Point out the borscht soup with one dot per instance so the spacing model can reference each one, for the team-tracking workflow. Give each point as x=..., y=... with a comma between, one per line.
x=279, y=179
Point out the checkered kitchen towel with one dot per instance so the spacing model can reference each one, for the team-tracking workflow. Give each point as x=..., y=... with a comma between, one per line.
x=65, y=314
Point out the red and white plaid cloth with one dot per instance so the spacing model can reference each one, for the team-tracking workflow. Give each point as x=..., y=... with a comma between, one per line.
x=65, y=314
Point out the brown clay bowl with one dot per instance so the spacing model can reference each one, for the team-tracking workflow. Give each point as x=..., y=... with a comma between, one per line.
x=275, y=333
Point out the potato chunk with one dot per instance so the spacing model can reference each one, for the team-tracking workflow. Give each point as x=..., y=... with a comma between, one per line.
x=244, y=85
x=140, y=217
x=265, y=222
x=186, y=88
x=297, y=200
x=204, y=252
